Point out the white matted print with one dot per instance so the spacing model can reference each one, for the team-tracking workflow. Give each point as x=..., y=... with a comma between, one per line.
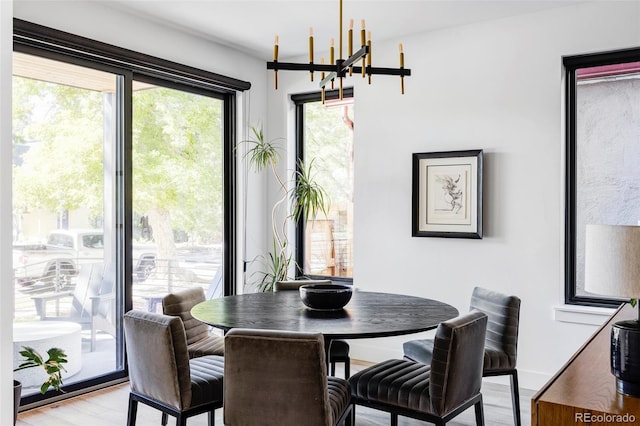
x=447, y=194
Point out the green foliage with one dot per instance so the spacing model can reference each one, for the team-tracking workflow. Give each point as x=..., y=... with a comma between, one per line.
x=633, y=302
x=306, y=199
x=276, y=264
x=62, y=128
x=177, y=155
x=177, y=159
x=52, y=366
x=263, y=153
x=330, y=143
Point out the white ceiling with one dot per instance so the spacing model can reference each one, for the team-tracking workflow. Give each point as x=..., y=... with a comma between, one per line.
x=251, y=25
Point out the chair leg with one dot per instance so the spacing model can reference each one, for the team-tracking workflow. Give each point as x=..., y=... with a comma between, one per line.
x=515, y=398
x=165, y=419
x=348, y=420
x=133, y=411
x=333, y=368
x=479, y=413
x=181, y=420
x=212, y=417
x=394, y=419
x=347, y=369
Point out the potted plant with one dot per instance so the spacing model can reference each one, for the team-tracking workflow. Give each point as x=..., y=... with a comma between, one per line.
x=52, y=366
x=305, y=196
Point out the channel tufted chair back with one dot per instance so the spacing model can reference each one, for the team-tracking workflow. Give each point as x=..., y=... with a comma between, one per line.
x=456, y=367
x=200, y=341
x=162, y=375
x=501, y=345
x=437, y=392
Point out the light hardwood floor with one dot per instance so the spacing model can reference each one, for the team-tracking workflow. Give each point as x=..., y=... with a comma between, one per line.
x=108, y=407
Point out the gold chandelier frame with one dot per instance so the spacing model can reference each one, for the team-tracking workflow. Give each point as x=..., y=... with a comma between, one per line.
x=340, y=68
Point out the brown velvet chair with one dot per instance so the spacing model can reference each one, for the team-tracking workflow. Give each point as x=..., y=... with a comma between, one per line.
x=437, y=392
x=279, y=378
x=200, y=341
x=339, y=350
x=162, y=375
x=501, y=344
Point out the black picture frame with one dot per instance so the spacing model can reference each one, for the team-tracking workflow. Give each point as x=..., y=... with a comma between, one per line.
x=447, y=194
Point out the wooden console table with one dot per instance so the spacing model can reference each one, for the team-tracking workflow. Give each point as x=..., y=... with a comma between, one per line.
x=584, y=390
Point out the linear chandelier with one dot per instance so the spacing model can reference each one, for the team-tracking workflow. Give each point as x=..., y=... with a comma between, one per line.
x=340, y=68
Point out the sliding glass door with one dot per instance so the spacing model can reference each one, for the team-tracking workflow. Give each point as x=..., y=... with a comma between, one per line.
x=123, y=191
x=177, y=191
x=65, y=139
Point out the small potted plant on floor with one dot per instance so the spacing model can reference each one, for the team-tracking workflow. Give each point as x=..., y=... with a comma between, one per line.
x=52, y=366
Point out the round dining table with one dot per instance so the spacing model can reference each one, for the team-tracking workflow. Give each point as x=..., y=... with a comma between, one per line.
x=368, y=314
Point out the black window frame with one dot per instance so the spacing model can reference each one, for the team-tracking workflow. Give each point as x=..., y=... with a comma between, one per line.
x=299, y=100
x=46, y=42
x=571, y=65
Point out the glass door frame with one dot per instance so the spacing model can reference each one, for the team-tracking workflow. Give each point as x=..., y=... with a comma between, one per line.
x=52, y=44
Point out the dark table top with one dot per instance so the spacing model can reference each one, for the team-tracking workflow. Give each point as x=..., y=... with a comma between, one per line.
x=366, y=315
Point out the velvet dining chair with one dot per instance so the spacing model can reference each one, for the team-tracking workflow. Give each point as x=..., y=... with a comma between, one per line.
x=279, y=378
x=436, y=392
x=501, y=344
x=161, y=374
x=200, y=341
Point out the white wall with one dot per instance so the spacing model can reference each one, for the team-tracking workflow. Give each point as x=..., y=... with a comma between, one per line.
x=495, y=86
x=6, y=272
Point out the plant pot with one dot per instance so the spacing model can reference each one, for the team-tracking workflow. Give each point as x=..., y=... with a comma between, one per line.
x=625, y=359
x=17, y=392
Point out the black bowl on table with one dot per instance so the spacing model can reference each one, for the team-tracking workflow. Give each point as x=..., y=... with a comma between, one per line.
x=326, y=297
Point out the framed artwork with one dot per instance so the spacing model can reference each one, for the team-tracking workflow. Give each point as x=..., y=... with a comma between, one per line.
x=447, y=194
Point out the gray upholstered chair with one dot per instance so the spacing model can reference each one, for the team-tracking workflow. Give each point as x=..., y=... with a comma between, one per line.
x=501, y=345
x=339, y=350
x=279, y=378
x=200, y=341
x=437, y=392
x=162, y=375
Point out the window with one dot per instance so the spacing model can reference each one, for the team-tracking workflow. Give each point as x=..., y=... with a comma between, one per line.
x=603, y=153
x=177, y=164
x=325, y=142
x=124, y=164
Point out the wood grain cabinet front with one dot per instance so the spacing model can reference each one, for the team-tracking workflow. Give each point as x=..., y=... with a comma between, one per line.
x=584, y=390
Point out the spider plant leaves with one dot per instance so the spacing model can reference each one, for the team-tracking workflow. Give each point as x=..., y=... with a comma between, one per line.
x=308, y=197
x=262, y=153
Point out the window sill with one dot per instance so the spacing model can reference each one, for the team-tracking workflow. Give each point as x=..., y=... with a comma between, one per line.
x=590, y=315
